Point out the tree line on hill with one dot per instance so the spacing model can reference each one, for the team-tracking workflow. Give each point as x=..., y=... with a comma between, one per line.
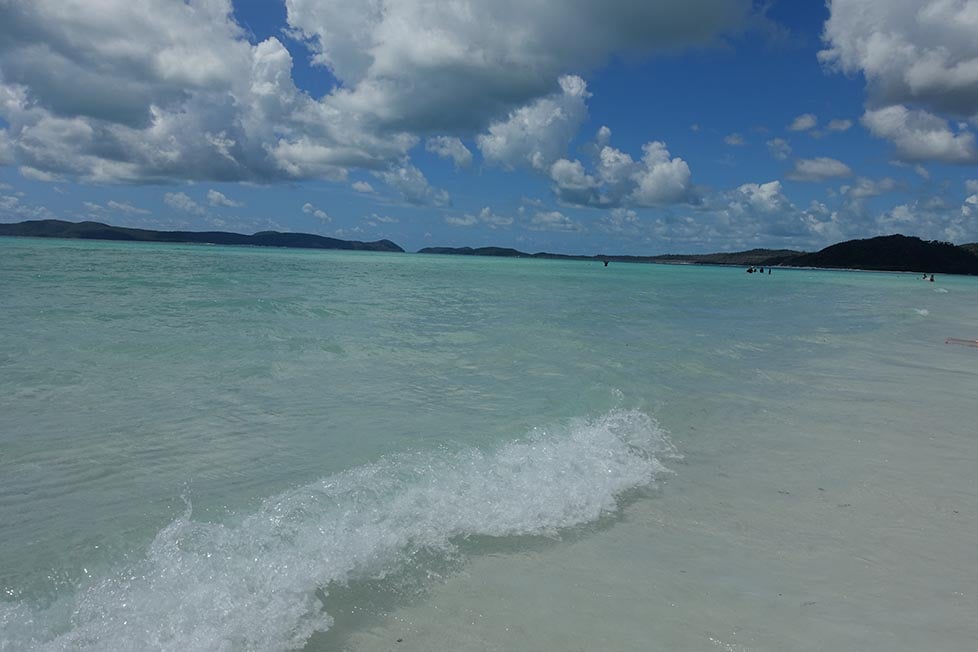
x=882, y=253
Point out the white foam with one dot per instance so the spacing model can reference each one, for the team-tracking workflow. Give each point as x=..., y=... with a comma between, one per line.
x=923, y=312
x=253, y=584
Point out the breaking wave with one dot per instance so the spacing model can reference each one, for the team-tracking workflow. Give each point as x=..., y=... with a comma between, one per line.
x=262, y=581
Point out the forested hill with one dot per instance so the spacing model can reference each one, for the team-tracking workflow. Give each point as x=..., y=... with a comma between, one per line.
x=99, y=231
x=884, y=253
x=893, y=253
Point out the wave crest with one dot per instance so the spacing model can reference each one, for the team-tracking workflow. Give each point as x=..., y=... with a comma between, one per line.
x=259, y=583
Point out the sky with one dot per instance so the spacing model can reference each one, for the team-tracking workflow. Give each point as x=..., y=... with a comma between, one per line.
x=582, y=126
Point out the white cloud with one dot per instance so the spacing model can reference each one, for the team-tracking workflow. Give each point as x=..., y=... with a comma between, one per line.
x=864, y=188
x=661, y=180
x=463, y=220
x=363, y=186
x=35, y=174
x=656, y=180
x=413, y=186
x=572, y=184
x=450, y=147
x=839, y=125
x=779, y=148
x=761, y=197
x=6, y=148
x=318, y=213
x=921, y=136
x=931, y=220
x=484, y=216
x=621, y=221
x=12, y=207
x=552, y=221
x=735, y=140
x=971, y=185
x=418, y=64
x=182, y=202
x=536, y=135
x=921, y=52
x=215, y=198
x=804, y=122
x=155, y=90
x=819, y=169
x=375, y=218
x=127, y=208
x=751, y=214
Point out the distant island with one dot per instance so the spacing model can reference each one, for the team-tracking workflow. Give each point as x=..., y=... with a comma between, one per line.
x=99, y=231
x=892, y=253
x=896, y=253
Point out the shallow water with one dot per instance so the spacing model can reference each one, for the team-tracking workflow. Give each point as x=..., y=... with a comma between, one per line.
x=236, y=448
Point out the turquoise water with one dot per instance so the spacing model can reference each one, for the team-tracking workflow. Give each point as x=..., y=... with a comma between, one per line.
x=237, y=448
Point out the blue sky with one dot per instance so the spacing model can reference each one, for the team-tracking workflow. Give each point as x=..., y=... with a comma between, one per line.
x=615, y=126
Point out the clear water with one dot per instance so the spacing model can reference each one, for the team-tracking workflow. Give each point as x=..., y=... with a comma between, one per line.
x=237, y=448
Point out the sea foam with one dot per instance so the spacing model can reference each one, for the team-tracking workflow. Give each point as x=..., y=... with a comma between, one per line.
x=262, y=581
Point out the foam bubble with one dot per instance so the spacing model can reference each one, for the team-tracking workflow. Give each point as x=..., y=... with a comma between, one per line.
x=258, y=583
x=923, y=312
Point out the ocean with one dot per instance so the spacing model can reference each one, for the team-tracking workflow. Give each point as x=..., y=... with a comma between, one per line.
x=218, y=448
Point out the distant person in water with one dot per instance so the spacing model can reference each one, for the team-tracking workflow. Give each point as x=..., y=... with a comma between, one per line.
x=761, y=270
x=931, y=278
x=606, y=263
x=768, y=271
x=750, y=270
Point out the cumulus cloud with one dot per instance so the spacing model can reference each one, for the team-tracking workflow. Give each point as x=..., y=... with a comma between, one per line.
x=970, y=206
x=621, y=221
x=485, y=216
x=182, y=202
x=318, y=213
x=932, y=219
x=864, y=188
x=819, y=169
x=760, y=197
x=735, y=140
x=155, y=90
x=839, y=125
x=374, y=219
x=537, y=134
x=419, y=64
x=12, y=208
x=363, y=186
x=552, y=221
x=758, y=212
x=971, y=185
x=921, y=136
x=450, y=147
x=660, y=179
x=920, y=52
x=125, y=207
x=779, y=148
x=462, y=220
x=803, y=122
x=6, y=148
x=617, y=179
x=215, y=198
x=413, y=186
